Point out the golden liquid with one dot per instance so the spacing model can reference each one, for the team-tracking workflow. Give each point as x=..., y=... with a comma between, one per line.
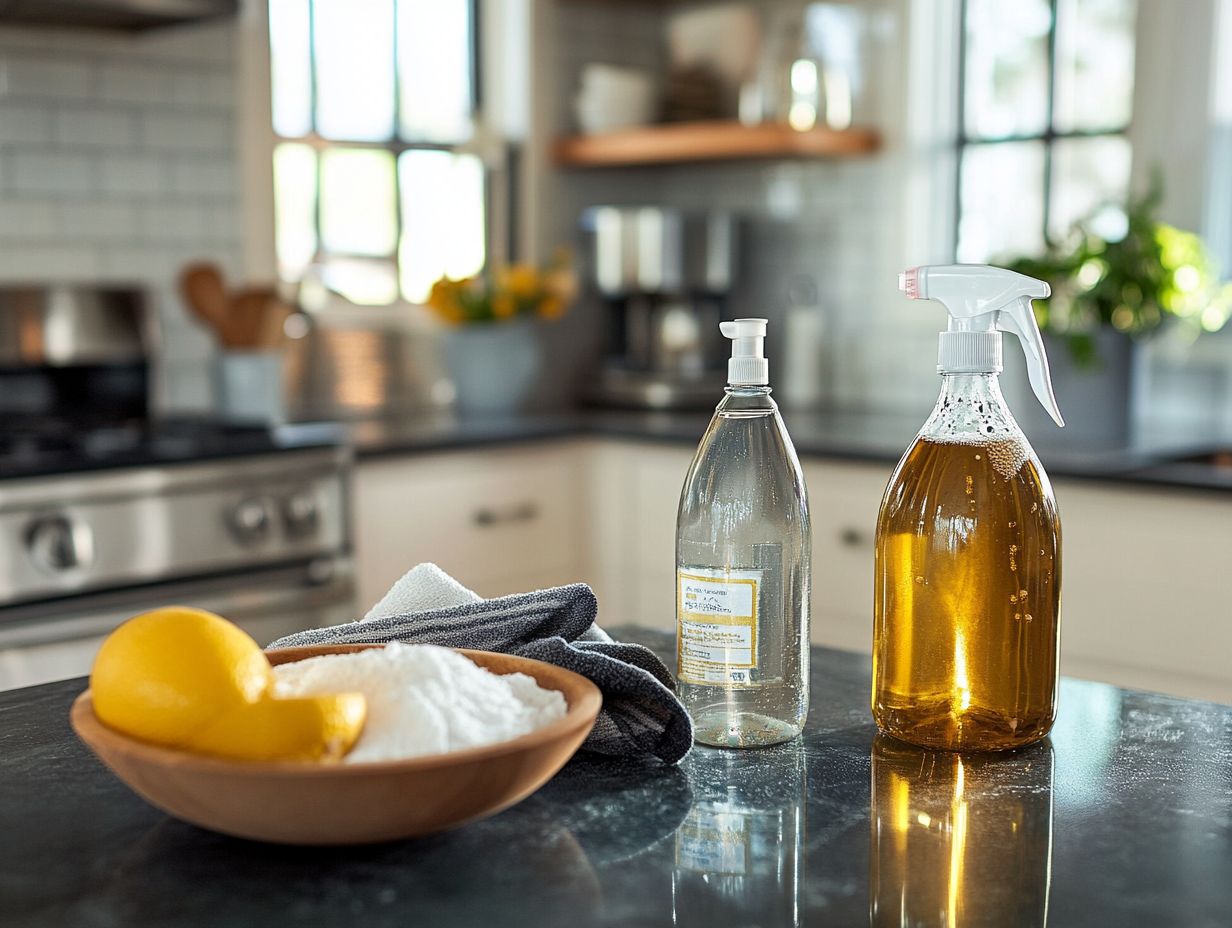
x=966, y=600
x=957, y=840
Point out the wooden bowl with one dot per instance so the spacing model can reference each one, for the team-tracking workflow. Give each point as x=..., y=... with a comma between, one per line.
x=306, y=803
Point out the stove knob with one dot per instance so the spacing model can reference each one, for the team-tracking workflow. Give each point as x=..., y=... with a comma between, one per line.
x=57, y=544
x=301, y=513
x=250, y=520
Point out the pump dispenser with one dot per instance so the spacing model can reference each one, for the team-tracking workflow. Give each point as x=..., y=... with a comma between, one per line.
x=743, y=542
x=968, y=550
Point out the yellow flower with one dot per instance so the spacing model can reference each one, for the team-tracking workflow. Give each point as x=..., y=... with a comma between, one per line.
x=443, y=300
x=552, y=307
x=503, y=306
x=521, y=280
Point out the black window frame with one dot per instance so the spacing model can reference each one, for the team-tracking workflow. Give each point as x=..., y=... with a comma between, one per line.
x=395, y=144
x=1049, y=136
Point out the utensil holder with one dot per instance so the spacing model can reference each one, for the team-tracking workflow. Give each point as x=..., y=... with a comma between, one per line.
x=248, y=386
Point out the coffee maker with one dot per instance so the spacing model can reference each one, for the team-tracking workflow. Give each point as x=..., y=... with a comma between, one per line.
x=664, y=277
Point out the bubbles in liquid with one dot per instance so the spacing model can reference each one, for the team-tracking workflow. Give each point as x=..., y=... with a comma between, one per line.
x=961, y=661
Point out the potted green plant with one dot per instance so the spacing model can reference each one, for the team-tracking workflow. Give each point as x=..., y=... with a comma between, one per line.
x=1106, y=296
x=492, y=347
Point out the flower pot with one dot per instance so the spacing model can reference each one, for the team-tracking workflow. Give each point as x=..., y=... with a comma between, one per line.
x=1096, y=400
x=493, y=365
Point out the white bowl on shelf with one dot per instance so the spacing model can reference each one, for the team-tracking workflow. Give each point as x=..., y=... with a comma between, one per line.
x=612, y=98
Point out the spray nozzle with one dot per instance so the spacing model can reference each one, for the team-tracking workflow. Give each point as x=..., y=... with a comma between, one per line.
x=983, y=302
x=748, y=364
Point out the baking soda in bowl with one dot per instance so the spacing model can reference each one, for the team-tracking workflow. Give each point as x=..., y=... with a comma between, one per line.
x=424, y=699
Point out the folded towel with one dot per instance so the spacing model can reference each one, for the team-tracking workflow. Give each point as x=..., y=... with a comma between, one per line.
x=641, y=713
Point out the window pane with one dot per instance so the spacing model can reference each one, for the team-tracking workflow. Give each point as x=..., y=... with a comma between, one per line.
x=290, y=67
x=358, y=201
x=362, y=280
x=1090, y=180
x=1002, y=190
x=442, y=219
x=1006, y=76
x=434, y=70
x=295, y=199
x=1095, y=64
x=354, y=48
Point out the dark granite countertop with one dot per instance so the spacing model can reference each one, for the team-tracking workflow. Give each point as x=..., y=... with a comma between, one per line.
x=1124, y=818
x=159, y=443
x=1158, y=456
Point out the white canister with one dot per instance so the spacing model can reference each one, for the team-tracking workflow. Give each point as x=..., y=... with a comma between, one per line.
x=249, y=386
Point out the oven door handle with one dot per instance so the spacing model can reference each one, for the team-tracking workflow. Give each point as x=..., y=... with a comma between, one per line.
x=235, y=601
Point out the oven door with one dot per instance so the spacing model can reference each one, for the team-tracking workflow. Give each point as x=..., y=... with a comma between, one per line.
x=55, y=640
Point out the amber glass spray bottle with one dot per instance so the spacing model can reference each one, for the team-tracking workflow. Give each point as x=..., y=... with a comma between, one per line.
x=968, y=551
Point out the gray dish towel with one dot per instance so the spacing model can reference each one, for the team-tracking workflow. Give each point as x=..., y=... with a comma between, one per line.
x=641, y=713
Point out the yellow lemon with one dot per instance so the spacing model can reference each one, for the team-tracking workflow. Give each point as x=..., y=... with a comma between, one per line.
x=308, y=728
x=166, y=674
x=189, y=679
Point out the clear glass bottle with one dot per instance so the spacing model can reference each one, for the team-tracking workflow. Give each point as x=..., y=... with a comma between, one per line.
x=740, y=851
x=743, y=543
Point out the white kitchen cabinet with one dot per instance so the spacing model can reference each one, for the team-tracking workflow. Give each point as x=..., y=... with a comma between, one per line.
x=502, y=520
x=634, y=488
x=1146, y=587
x=1144, y=591
x=844, y=498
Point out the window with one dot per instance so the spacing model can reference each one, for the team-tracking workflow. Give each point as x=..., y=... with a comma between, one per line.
x=1046, y=90
x=375, y=179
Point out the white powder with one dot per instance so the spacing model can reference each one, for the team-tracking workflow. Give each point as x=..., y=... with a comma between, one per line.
x=423, y=699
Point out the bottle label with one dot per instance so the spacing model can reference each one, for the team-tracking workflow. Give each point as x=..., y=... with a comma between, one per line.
x=716, y=626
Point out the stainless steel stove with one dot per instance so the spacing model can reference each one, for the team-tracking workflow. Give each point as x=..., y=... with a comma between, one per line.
x=261, y=538
x=107, y=511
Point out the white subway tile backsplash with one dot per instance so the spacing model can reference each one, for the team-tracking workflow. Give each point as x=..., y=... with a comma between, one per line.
x=24, y=122
x=144, y=175
x=27, y=263
x=31, y=76
x=123, y=261
x=29, y=220
x=134, y=83
x=99, y=221
x=118, y=162
x=204, y=43
x=203, y=88
x=196, y=132
x=33, y=170
x=210, y=175
x=111, y=127
x=163, y=222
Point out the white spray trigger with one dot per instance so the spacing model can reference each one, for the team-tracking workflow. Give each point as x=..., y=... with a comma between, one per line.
x=1019, y=319
x=748, y=364
x=983, y=301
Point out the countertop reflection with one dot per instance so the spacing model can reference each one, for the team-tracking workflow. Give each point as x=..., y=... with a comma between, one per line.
x=1123, y=818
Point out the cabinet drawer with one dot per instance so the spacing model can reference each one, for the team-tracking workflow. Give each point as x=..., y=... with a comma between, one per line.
x=497, y=521
x=844, y=499
x=1145, y=582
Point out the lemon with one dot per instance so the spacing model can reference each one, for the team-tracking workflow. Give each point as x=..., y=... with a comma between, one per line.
x=190, y=679
x=164, y=675
x=307, y=728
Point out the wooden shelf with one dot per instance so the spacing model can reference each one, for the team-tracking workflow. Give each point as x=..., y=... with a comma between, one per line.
x=675, y=143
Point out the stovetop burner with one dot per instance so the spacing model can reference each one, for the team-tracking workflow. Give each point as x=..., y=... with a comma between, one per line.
x=38, y=445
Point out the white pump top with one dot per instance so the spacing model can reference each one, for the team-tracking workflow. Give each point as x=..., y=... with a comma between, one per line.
x=748, y=365
x=984, y=302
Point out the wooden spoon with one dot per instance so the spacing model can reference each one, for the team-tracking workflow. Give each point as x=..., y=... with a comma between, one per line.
x=203, y=289
x=249, y=317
